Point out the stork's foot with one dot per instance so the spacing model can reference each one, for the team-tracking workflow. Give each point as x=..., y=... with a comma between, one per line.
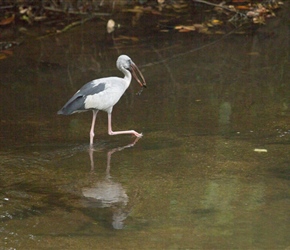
x=137, y=134
x=132, y=132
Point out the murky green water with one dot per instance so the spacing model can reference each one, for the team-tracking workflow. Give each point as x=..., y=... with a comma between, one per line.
x=211, y=171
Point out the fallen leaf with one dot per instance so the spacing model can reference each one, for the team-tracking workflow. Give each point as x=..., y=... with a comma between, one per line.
x=259, y=20
x=216, y=22
x=198, y=26
x=179, y=27
x=7, y=52
x=242, y=7
x=8, y=20
x=40, y=18
x=184, y=30
x=261, y=150
x=134, y=39
x=182, y=27
x=2, y=56
x=219, y=32
x=111, y=26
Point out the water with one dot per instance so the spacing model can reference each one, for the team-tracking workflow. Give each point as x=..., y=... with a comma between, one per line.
x=211, y=171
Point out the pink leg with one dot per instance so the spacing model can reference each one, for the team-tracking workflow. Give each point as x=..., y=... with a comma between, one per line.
x=111, y=132
x=92, y=134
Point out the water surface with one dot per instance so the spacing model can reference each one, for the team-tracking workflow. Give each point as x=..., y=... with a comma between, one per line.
x=211, y=171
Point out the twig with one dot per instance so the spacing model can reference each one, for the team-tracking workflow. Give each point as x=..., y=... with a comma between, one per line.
x=71, y=25
x=216, y=5
x=54, y=3
x=189, y=51
x=6, y=7
x=74, y=12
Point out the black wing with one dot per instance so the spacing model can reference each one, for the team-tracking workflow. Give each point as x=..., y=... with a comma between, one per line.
x=77, y=102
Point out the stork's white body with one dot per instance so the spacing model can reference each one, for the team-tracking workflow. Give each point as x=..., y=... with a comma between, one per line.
x=106, y=99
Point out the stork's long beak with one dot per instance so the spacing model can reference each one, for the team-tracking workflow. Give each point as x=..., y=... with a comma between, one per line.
x=136, y=72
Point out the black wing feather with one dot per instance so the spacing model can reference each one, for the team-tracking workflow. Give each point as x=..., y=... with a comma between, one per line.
x=77, y=102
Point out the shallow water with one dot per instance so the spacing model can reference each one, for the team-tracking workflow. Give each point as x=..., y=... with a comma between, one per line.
x=210, y=172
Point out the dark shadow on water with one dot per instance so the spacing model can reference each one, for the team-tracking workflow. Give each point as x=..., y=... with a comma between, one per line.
x=98, y=199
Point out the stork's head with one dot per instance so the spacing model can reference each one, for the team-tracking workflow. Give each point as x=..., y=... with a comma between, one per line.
x=125, y=62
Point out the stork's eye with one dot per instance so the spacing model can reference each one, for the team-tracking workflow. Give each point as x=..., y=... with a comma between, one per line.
x=128, y=64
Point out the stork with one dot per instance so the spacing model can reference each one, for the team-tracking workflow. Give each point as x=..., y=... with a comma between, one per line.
x=103, y=94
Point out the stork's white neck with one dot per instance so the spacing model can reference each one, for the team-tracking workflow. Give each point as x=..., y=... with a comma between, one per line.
x=127, y=75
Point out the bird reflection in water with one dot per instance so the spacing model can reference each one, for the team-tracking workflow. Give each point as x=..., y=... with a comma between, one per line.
x=107, y=193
